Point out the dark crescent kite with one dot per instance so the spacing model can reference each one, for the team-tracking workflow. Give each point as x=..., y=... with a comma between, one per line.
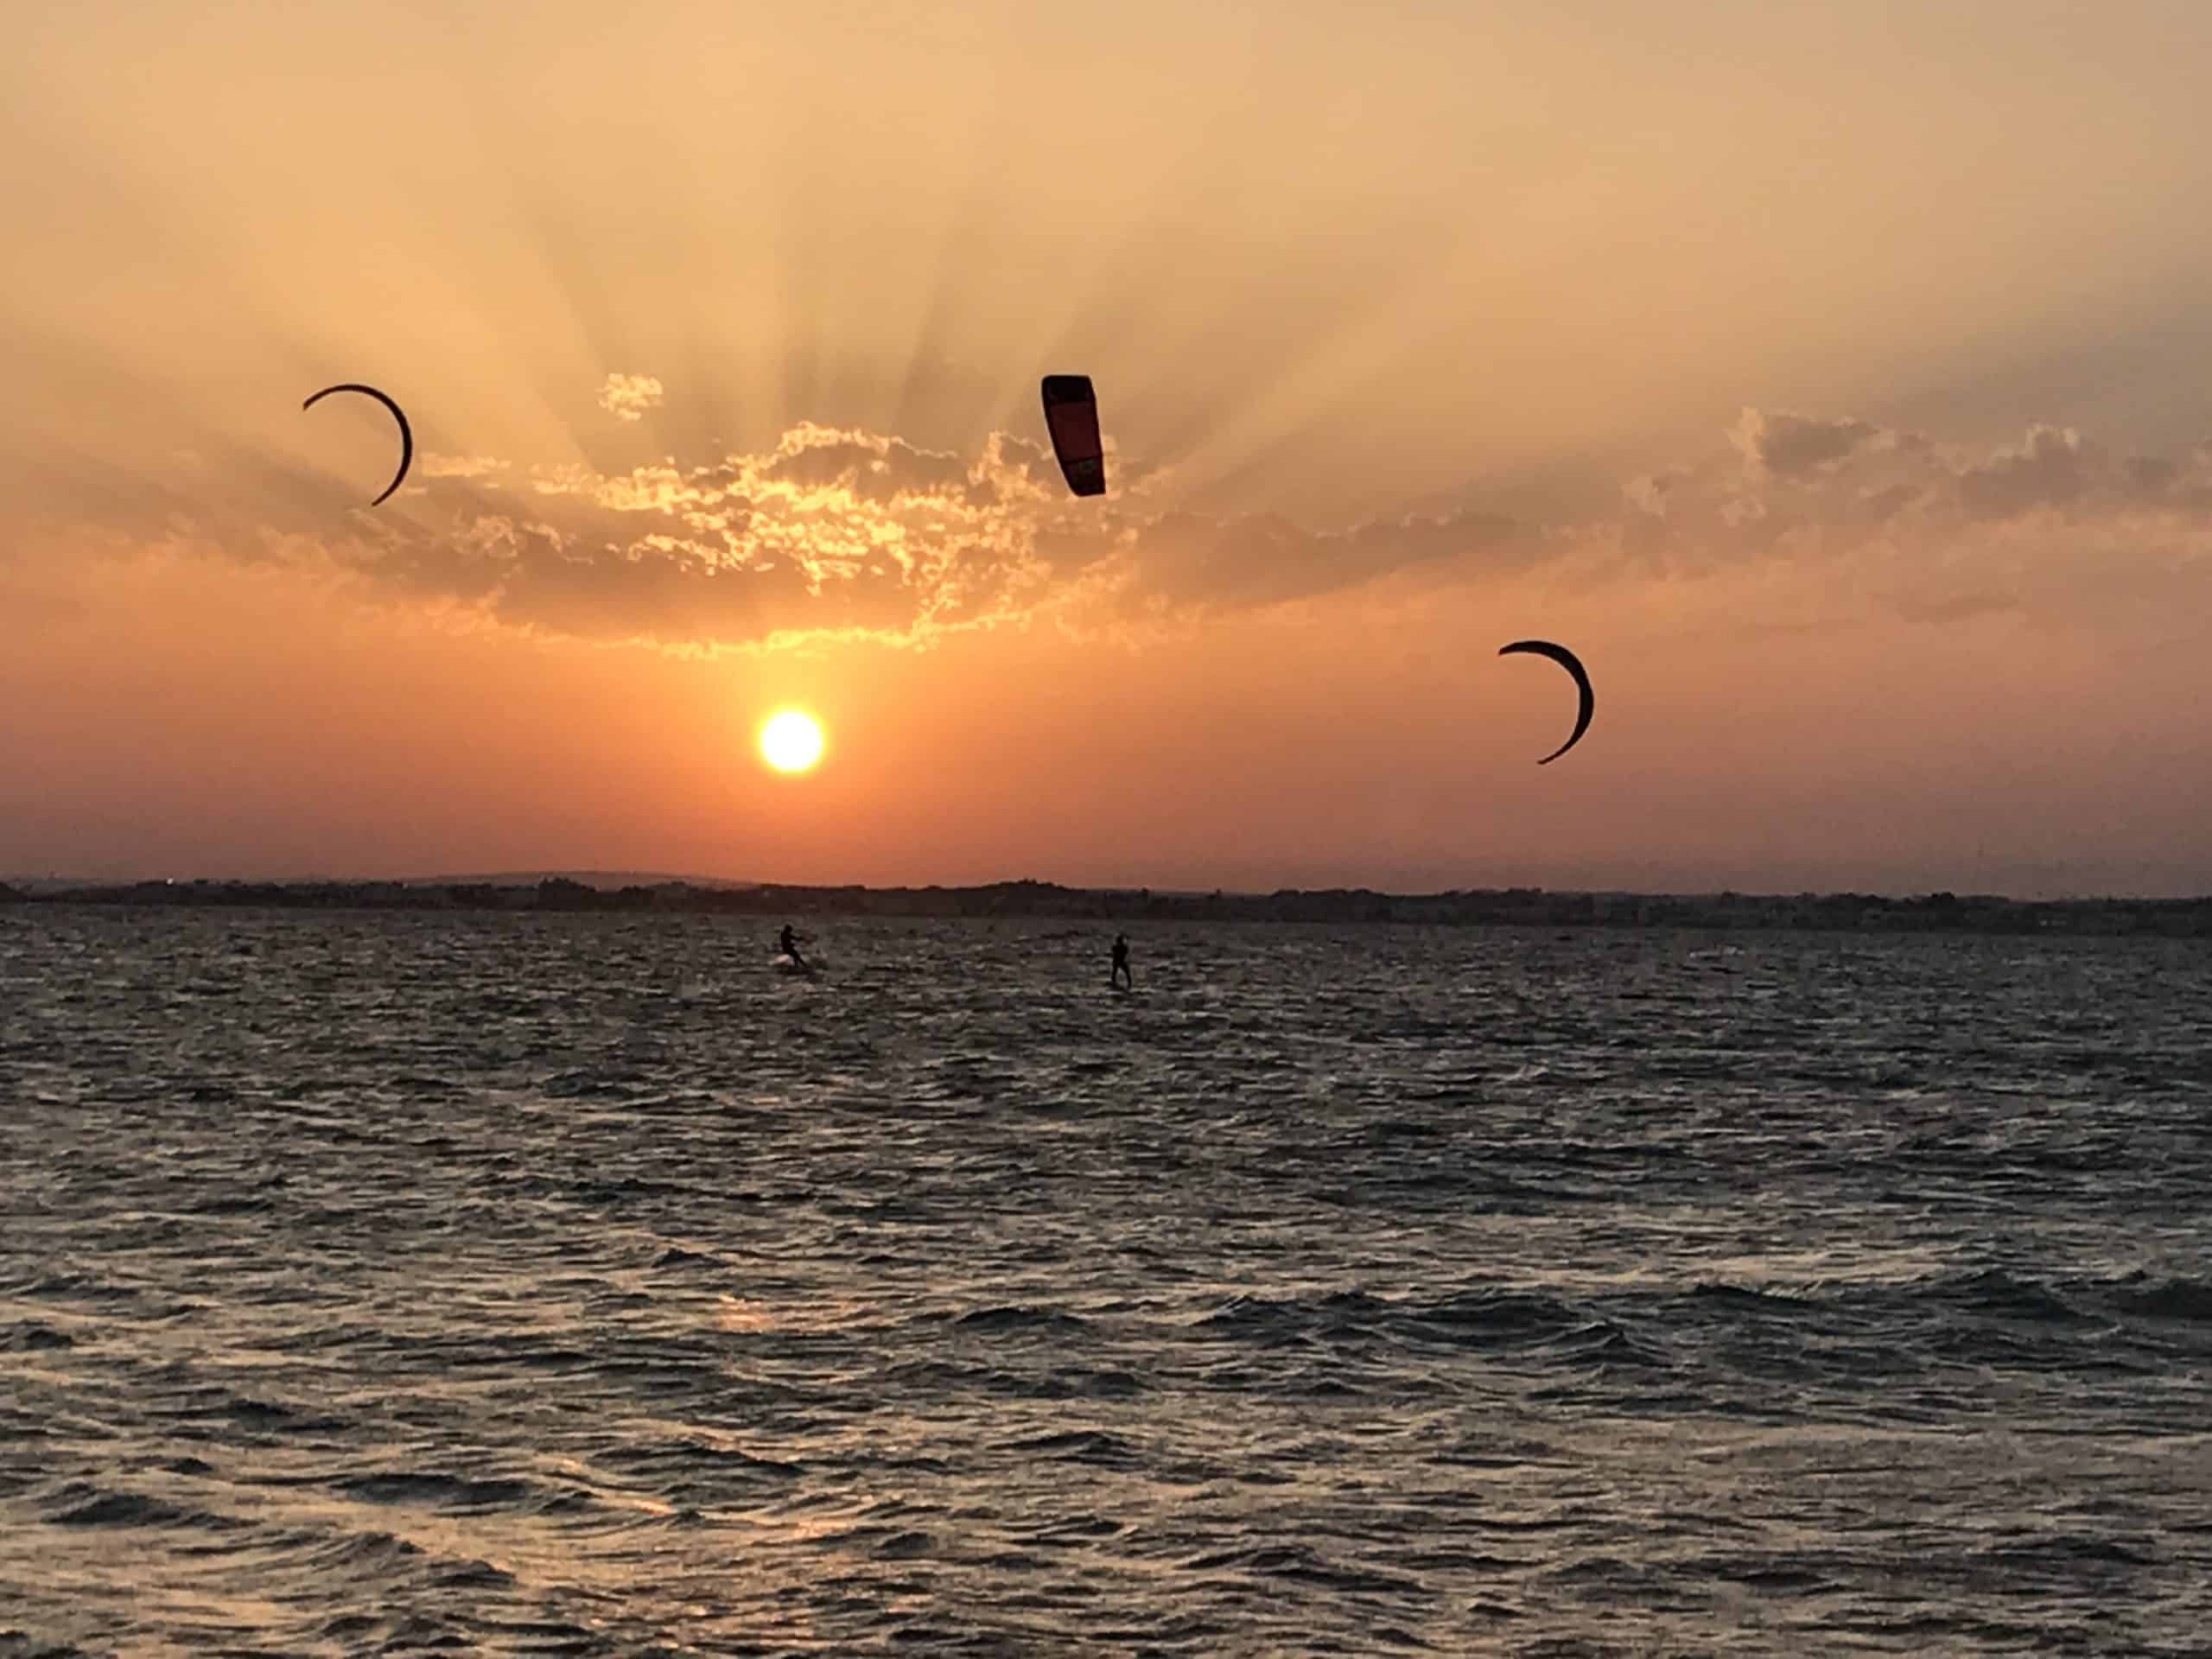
x=1567, y=660
x=406, y=436
x=1071, y=412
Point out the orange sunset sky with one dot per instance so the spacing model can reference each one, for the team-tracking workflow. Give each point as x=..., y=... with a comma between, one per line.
x=1835, y=379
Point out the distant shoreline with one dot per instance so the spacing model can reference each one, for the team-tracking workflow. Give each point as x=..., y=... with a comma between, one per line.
x=1938, y=913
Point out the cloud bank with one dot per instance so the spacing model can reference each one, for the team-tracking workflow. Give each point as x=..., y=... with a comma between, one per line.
x=838, y=532
x=2057, y=523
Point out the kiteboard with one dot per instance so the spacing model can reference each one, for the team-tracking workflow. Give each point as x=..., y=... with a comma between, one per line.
x=786, y=965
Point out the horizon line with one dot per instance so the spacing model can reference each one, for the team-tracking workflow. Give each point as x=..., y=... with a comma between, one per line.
x=650, y=879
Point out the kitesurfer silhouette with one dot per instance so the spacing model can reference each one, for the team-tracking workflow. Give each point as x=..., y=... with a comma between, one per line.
x=788, y=943
x=1122, y=962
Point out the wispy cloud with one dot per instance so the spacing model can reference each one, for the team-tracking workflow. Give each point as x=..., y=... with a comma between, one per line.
x=458, y=466
x=628, y=396
x=1788, y=444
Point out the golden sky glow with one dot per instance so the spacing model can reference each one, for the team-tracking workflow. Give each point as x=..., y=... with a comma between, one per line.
x=1831, y=376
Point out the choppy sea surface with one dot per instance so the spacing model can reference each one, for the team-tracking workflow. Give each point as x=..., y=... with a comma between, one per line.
x=539, y=1285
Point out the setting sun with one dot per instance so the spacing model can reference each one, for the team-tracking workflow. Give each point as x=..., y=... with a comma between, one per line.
x=790, y=740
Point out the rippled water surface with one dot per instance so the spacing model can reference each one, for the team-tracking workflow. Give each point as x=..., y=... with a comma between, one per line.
x=578, y=1286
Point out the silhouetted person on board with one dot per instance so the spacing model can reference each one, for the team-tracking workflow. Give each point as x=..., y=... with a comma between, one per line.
x=1122, y=962
x=789, y=944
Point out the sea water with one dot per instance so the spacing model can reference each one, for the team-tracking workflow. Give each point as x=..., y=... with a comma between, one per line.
x=576, y=1285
